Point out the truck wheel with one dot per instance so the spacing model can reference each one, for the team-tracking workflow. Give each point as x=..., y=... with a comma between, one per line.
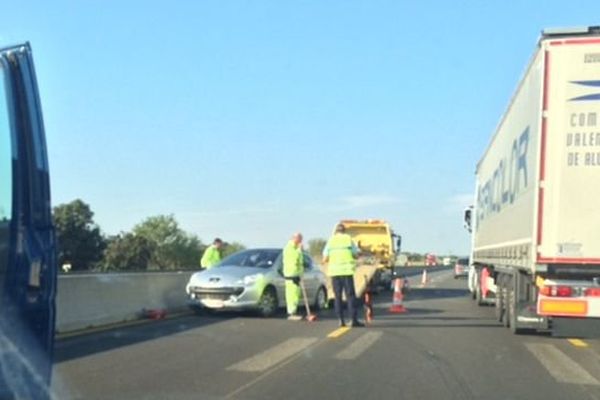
x=512, y=312
x=500, y=303
x=505, y=300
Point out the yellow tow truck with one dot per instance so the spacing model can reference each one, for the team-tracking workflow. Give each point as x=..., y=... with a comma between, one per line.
x=379, y=247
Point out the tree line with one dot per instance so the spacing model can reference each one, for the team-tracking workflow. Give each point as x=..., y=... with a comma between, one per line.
x=156, y=244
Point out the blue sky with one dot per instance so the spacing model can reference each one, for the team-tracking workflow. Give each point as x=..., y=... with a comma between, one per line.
x=253, y=119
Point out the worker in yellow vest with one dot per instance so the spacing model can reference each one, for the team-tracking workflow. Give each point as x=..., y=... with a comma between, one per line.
x=293, y=269
x=212, y=254
x=340, y=255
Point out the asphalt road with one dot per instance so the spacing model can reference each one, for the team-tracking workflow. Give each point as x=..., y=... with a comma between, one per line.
x=444, y=347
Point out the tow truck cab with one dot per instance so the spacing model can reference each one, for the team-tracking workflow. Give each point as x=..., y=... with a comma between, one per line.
x=27, y=239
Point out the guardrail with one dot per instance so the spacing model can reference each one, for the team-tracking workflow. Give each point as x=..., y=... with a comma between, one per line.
x=90, y=300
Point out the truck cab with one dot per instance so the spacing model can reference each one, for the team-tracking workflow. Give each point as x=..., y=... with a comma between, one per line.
x=27, y=239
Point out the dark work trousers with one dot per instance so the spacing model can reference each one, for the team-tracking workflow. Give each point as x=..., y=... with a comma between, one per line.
x=344, y=284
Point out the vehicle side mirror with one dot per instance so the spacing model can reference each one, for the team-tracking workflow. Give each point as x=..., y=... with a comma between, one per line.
x=468, y=220
x=398, y=244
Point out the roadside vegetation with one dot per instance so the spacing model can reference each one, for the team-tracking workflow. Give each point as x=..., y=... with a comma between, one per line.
x=157, y=243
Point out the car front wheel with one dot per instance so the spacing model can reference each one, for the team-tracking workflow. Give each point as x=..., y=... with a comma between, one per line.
x=267, y=305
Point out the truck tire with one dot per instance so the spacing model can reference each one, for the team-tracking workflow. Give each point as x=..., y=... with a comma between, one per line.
x=506, y=317
x=512, y=311
x=499, y=307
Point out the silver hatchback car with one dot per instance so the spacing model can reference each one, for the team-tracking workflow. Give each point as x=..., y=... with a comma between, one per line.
x=253, y=279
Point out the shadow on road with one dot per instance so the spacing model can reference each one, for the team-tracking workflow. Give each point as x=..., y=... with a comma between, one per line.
x=435, y=293
x=410, y=311
x=414, y=271
x=420, y=317
x=92, y=343
x=441, y=325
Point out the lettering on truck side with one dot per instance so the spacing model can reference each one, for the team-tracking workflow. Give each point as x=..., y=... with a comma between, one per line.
x=583, y=140
x=509, y=180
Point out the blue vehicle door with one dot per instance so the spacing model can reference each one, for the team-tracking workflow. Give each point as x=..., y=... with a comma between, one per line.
x=27, y=241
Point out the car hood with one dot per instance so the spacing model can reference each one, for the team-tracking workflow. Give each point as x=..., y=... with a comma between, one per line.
x=224, y=276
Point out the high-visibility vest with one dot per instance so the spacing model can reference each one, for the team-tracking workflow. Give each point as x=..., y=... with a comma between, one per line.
x=341, y=259
x=211, y=257
x=292, y=260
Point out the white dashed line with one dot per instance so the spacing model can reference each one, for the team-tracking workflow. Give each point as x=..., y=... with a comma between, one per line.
x=272, y=356
x=359, y=346
x=560, y=366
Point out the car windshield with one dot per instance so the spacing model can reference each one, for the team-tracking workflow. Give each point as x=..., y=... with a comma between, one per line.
x=259, y=258
x=463, y=261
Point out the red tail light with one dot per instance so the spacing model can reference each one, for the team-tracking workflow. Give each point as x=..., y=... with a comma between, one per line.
x=564, y=291
x=557, y=291
x=592, y=292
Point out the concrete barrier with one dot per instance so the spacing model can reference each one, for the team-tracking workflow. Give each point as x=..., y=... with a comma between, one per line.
x=91, y=300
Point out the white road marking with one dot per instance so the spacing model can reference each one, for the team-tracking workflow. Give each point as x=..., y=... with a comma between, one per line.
x=560, y=366
x=272, y=356
x=359, y=346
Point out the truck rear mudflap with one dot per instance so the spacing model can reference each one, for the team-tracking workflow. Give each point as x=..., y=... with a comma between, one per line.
x=528, y=318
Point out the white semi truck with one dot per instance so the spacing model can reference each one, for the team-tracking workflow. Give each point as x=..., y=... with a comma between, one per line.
x=535, y=223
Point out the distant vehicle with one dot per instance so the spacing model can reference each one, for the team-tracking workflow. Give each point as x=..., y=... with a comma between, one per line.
x=28, y=265
x=378, y=244
x=431, y=260
x=535, y=238
x=252, y=279
x=461, y=267
x=446, y=261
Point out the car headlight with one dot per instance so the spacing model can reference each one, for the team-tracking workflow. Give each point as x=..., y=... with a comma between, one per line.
x=192, y=282
x=250, y=279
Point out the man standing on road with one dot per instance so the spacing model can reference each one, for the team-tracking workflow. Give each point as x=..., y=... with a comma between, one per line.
x=293, y=268
x=340, y=255
x=212, y=255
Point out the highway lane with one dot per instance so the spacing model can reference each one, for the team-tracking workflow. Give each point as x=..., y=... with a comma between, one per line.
x=444, y=347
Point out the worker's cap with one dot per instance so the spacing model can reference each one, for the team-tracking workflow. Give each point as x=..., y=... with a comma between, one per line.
x=217, y=241
x=340, y=228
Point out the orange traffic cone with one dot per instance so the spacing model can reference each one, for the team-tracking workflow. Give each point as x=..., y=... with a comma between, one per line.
x=397, y=307
x=424, y=278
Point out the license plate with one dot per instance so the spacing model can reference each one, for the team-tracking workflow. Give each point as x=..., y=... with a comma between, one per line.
x=211, y=303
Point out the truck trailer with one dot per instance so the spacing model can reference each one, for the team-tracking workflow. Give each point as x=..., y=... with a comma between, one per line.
x=535, y=222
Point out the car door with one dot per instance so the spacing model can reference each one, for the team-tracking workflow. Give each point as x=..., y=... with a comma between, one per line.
x=27, y=240
x=279, y=280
